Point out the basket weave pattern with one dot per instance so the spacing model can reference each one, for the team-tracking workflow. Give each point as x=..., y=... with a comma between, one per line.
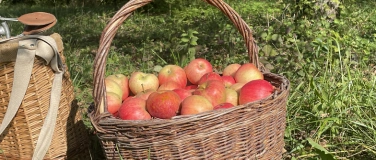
x=251, y=131
x=19, y=139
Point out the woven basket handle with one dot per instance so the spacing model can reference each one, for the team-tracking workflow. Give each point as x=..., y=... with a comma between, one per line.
x=109, y=32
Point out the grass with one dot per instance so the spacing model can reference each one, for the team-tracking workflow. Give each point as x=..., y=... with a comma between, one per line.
x=331, y=113
x=337, y=105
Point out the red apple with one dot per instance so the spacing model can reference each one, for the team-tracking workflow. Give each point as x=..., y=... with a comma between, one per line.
x=209, y=76
x=113, y=102
x=172, y=73
x=232, y=96
x=170, y=85
x=237, y=86
x=191, y=87
x=223, y=106
x=228, y=81
x=183, y=93
x=255, y=90
x=196, y=69
x=195, y=104
x=145, y=94
x=122, y=81
x=140, y=81
x=163, y=104
x=112, y=86
x=134, y=109
x=247, y=72
x=213, y=90
x=128, y=98
x=231, y=69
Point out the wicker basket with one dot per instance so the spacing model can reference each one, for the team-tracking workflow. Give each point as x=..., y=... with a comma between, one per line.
x=70, y=138
x=251, y=131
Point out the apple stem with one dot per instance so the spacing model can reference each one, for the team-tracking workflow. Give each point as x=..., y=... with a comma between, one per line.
x=143, y=89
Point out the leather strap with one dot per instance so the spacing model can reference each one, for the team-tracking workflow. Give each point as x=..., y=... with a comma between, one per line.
x=45, y=47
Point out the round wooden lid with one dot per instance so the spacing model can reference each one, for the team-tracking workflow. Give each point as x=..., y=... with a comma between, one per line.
x=37, y=18
x=37, y=29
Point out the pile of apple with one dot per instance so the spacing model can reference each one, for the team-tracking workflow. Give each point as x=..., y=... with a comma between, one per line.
x=184, y=91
